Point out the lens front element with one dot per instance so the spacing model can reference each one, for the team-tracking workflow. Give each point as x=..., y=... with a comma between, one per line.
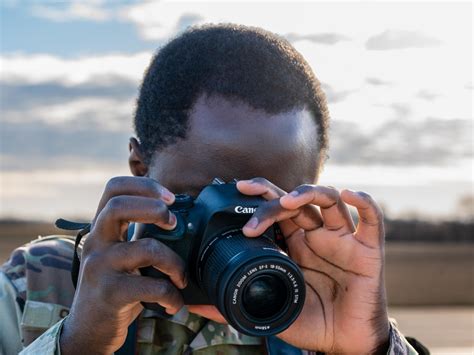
x=264, y=297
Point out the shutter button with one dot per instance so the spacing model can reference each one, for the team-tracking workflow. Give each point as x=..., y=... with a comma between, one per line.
x=182, y=202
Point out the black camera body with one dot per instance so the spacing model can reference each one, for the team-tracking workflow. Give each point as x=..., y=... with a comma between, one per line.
x=254, y=284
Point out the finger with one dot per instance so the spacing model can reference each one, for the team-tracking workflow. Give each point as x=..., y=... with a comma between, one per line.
x=120, y=210
x=132, y=185
x=334, y=211
x=147, y=289
x=129, y=256
x=370, y=229
x=308, y=217
x=260, y=187
x=269, y=191
x=208, y=311
x=272, y=212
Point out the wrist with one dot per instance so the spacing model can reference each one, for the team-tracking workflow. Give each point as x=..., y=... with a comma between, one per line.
x=72, y=341
x=69, y=343
x=382, y=348
x=383, y=345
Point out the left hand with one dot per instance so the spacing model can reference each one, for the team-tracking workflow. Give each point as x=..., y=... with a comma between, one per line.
x=345, y=308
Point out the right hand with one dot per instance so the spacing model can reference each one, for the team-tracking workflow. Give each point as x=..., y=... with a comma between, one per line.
x=110, y=289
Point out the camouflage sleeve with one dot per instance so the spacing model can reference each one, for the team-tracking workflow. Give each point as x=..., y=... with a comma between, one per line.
x=10, y=339
x=399, y=345
x=47, y=343
x=35, y=291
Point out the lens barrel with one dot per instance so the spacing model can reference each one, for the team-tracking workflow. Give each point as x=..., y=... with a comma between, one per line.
x=253, y=283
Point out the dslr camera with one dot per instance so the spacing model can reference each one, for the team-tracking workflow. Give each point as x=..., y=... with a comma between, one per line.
x=255, y=285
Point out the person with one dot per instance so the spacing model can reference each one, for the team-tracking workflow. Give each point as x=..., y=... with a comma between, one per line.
x=225, y=101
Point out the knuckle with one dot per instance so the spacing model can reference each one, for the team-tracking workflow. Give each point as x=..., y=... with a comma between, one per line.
x=371, y=204
x=149, y=184
x=88, y=246
x=305, y=188
x=90, y=263
x=264, y=209
x=155, y=186
x=166, y=289
x=332, y=193
x=118, y=252
x=114, y=183
x=152, y=249
x=108, y=287
x=366, y=197
x=273, y=206
x=161, y=209
x=261, y=180
x=114, y=205
x=309, y=189
x=380, y=215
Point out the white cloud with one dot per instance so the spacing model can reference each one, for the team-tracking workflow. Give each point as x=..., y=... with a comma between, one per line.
x=346, y=66
x=104, y=113
x=41, y=68
x=399, y=39
x=161, y=20
x=92, y=10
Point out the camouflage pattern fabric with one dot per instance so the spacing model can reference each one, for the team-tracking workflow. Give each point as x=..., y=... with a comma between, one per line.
x=36, y=283
x=398, y=344
x=46, y=343
x=40, y=273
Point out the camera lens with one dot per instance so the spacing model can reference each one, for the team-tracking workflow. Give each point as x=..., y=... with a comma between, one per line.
x=264, y=296
x=254, y=284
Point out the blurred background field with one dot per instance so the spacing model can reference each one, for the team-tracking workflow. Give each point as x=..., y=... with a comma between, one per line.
x=429, y=278
x=398, y=80
x=422, y=268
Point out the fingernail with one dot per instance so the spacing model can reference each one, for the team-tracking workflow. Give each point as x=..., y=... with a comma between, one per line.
x=294, y=193
x=185, y=280
x=172, y=220
x=246, y=181
x=252, y=223
x=171, y=311
x=167, y=196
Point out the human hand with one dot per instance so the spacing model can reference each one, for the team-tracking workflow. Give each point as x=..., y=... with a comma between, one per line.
x=345, y=308
x=110, y=289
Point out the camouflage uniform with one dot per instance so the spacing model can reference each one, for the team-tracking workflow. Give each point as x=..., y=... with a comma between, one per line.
x=36, y=292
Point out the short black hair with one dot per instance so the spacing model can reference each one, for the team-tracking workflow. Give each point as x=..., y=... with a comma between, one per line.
x=258, y=67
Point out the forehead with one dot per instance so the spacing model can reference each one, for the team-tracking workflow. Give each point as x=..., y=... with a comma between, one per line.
x=229, y=139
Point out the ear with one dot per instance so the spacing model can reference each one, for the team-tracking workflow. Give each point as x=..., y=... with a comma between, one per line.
x=135, y=159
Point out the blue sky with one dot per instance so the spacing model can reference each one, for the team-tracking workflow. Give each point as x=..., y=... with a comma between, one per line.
x=26, y=31
x=398, y=78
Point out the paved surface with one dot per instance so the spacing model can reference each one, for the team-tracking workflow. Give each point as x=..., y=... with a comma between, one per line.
x=444, y=330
